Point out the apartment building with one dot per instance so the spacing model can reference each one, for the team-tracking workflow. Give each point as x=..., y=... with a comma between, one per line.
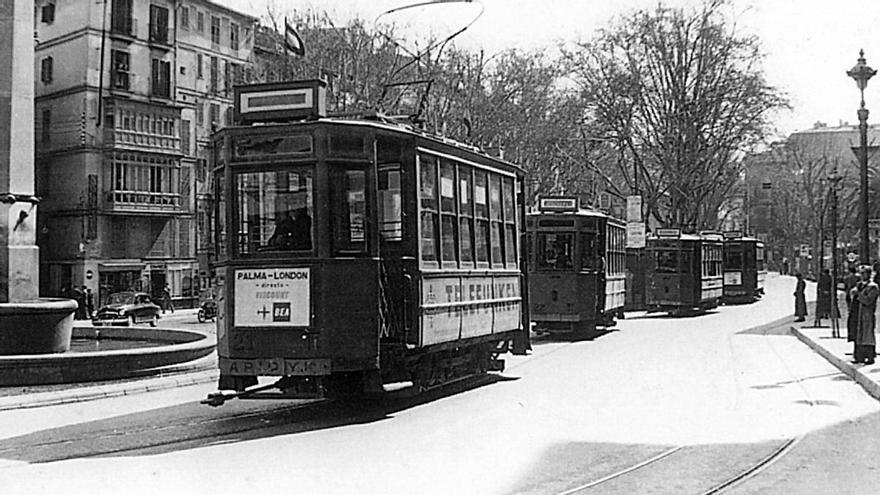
x=126, y=97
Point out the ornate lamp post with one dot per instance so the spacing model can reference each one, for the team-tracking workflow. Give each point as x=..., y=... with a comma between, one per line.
x=861, y=73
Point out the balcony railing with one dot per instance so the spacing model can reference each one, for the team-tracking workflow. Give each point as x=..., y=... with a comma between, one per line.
x=121, y=137
x=145, y=201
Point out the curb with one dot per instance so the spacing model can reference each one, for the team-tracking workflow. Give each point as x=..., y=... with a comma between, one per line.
x=46, y=399
x=870, y=386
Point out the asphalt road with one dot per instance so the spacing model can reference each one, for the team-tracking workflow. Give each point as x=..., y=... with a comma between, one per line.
x=661, y=405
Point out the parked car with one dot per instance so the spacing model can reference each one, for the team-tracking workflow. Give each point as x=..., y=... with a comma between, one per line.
x=127, y=308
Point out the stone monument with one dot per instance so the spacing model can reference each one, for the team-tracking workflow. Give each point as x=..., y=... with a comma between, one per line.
x=28, y=324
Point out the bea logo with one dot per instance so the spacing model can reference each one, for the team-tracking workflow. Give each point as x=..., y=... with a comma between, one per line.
x=281, y=311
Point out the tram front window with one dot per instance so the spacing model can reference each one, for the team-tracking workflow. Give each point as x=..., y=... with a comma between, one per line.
x=666, y=261
x=274, y=211
x=733, y=257
x=555, y=251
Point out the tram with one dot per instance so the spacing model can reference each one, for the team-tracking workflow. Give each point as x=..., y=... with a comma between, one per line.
x=744, y=268
x=684, y=273
x=576, y=267
x=353, y=254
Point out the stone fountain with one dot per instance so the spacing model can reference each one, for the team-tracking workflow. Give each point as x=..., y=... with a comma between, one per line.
x=35, y=333
x=28, y=324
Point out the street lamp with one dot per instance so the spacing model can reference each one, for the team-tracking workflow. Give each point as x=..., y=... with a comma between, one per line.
x=861, y=73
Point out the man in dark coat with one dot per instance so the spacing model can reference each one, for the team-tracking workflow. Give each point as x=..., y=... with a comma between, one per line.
x=800, y=299
x=852, y=306
x=866, y=293
x=823, y=295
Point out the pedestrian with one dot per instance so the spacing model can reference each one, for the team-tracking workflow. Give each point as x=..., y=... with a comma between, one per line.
x=90, y=302
x=166, y=299
x=785, y=266
x=80, y=297
x=866, y=292
x=823, y=295
x=852, y=304
x=800, y=300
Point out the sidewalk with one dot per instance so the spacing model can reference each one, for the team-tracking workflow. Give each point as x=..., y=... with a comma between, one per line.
x=839, y=353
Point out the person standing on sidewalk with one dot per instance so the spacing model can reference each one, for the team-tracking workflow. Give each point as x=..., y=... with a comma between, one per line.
x=167, y=303
x=800, y=299
x=852, y=306
x=865, y=293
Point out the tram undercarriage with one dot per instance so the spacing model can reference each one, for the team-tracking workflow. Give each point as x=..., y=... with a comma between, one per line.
x=401, y=367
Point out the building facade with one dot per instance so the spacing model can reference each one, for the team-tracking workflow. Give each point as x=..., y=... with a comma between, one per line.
x=127, y=93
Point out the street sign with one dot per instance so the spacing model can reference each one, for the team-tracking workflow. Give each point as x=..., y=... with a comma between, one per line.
x=635, y=234
x=633, y=208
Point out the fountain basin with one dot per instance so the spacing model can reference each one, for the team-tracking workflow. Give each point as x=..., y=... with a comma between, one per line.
x=36, y=327
x=174, y=347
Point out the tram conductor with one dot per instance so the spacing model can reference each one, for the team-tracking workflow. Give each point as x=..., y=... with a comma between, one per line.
x=293, y=232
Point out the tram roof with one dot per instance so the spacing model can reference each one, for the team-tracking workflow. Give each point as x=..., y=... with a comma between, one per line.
x=686, y=237
x=581, y=212
x=380, y=124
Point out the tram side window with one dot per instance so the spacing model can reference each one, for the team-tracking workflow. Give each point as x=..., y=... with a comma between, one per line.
x=275, y=211
x=589, y=252
x=759, y=258
x=428, y=203
x=220, y=212
x=466, y=213
x=497, y=238
x=448, y=221
x=510, y=245
x=555, y=251
x=482, y=216
x=716, y=268
x=666, y=261
x=390, y=217
x=349, y=210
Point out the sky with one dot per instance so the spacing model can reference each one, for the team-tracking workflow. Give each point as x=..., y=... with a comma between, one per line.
x=809, y=44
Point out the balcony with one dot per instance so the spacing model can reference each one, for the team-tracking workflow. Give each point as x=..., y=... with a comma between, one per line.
x=117, y=138
x=123, y=28
x=134, y=202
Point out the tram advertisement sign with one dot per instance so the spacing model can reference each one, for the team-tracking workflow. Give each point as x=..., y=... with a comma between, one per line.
x=635, y=234
x=634, y=209
x=272, y=297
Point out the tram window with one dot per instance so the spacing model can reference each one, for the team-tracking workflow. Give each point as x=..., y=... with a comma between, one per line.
x=428, y=201
x=349, y=210
x=509, y=221
x=448, y=222
x=466, y=228
x=466, y=213
x=482, y=217
x=733, y=257
x=555, y=251
x=588, y=252
x=666, y=261
x=497, y=241
x=390, y=216
x=220, y=212
x=759, y=258
x=275, y=211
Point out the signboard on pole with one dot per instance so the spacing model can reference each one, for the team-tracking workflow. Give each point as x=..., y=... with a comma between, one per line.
x=635, y=234
x=633, y=208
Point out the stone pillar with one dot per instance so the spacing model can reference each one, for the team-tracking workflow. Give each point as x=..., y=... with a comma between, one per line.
x=28, y=325
x=19, y=259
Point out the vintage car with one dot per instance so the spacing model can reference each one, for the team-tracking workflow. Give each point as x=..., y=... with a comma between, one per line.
x=127, y=308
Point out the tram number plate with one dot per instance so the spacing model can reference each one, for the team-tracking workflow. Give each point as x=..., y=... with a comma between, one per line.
x=275, y=367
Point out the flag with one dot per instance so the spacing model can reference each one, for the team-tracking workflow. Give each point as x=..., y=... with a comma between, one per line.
x=292, y=42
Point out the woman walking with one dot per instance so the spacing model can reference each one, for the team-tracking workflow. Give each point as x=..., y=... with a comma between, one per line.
x=800, y=300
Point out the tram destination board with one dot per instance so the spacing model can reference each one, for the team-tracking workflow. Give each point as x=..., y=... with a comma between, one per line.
x=272, y=297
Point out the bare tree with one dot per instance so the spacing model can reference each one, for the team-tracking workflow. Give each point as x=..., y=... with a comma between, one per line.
x=682, y=94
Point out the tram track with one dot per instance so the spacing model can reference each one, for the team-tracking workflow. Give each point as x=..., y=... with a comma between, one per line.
x=629, y=476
